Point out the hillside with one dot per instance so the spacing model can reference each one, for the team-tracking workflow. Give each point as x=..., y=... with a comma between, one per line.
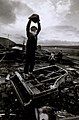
x=5, y=42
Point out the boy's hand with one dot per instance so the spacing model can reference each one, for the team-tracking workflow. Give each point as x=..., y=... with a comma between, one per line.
x=30, y=20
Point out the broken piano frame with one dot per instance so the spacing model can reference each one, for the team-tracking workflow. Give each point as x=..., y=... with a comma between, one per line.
x=37, y=90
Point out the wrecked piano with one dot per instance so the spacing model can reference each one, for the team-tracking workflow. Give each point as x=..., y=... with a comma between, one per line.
x=37, y=90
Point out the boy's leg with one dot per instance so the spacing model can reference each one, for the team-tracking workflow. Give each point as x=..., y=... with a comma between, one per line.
x=31, y=66
x=26, y=67
x=26, y=70
x=32, y=63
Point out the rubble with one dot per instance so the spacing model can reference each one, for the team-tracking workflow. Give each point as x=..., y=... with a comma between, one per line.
x=64, y=100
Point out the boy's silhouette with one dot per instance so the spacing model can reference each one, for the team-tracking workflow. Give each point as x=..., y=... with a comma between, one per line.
x=31, y=45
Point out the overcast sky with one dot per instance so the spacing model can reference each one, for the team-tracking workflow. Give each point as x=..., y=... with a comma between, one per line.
x=59, y=19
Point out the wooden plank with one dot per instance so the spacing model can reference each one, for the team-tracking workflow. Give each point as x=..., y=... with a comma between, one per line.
x=71, y=118
x=22, y=81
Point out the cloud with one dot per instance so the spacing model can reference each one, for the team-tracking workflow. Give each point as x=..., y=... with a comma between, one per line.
x=74, y=5
x=7, y=14
x=21, y=8
x=10, y=10
x=61, y=33
x=72, y=17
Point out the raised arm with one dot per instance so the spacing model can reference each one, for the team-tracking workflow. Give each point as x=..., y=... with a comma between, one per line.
x=39, y=28
x=28, y=28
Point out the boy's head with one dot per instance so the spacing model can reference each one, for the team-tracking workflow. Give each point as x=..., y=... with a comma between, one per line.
x=33, y=30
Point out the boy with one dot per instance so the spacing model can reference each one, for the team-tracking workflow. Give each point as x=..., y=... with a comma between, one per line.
x=31, y=45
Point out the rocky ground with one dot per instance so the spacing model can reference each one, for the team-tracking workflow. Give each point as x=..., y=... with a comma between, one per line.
x=9, y=105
